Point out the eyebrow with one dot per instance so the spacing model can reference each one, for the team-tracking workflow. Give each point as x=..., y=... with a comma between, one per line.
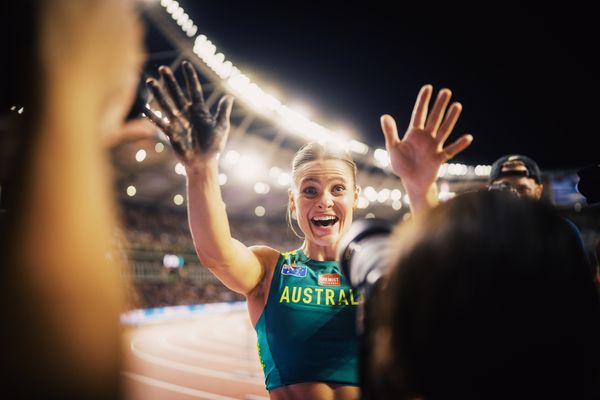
x=313, y=179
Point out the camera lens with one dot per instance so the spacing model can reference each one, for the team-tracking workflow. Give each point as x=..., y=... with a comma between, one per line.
x=503, y=187
x=363, y=251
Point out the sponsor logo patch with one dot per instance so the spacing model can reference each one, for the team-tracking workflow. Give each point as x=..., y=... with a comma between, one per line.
x=294, y=270
x=330, y=280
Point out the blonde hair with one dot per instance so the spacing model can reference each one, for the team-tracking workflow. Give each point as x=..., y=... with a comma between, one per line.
x=314, y=151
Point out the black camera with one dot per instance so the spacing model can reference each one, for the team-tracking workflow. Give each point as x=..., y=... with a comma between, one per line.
x=362, y=252
x=504, y=187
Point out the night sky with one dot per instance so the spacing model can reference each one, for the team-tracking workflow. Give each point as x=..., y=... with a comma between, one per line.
x=525, y=76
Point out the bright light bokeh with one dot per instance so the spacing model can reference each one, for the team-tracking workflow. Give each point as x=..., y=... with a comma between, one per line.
x=178, y=199
x=259, y=211
x=131, y=190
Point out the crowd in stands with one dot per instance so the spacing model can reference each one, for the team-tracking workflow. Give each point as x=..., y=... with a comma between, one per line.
x=155, y=232
x=168, y=230
x=181, y=291
x=149, y=233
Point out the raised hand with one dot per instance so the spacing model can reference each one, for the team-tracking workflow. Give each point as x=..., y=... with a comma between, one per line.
x=195, y=134
x=417, y=158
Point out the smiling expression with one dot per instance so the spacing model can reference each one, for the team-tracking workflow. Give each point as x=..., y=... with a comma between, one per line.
x=324, y=195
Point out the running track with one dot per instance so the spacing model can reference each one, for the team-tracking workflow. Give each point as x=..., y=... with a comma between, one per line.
x=207, y=357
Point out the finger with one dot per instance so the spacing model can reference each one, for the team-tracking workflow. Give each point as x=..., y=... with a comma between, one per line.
x=390, y=130
x=193, y=84
x=158, y=121
x=419, y=114
x=224, y=111
x=173, y=87
x=161, y=97
x=459, y=145
x=437, y=112
x=449, y=122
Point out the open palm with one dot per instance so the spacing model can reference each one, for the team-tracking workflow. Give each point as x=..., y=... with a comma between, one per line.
x=417, y=158
x=194, y=133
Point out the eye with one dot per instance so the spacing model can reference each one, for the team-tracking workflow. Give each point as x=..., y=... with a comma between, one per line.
x=339, y=189
x=309, y=191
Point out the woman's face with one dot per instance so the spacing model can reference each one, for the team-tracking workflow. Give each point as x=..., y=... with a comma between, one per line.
x=323, y=196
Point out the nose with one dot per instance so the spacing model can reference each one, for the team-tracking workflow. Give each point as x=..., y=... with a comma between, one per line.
x=325, y=201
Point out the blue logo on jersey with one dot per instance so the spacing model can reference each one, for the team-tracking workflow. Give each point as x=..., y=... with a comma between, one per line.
x=294, y=270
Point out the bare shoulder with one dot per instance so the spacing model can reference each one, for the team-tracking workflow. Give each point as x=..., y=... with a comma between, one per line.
x=267, y=256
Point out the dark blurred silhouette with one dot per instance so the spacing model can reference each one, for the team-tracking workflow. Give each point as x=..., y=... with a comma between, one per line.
x=69, y=75
x=489, y=297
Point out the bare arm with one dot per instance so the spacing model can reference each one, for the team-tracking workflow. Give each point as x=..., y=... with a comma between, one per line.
x=197, y=138
x=417, y=158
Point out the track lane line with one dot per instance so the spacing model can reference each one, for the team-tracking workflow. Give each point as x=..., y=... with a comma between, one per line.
x=192, y=369
x=176, y=388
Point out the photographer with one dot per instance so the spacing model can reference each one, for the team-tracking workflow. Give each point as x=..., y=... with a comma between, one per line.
x=488, y=296
x=518, y=172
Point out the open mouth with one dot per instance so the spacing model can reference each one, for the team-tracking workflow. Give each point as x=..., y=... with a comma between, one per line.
x=326, y=220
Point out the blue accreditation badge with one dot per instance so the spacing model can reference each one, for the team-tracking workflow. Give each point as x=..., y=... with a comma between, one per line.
x=294, y=270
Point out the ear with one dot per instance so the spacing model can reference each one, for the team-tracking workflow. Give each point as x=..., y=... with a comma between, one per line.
x=357, y=190
x=291, y=199
x=539, y=190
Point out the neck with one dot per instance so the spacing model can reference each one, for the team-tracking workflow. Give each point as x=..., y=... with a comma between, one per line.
x=320, y=253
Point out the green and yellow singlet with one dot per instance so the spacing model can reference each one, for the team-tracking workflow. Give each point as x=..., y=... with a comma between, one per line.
x=307, y=330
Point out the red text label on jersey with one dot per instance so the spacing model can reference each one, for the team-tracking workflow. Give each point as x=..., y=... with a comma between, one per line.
x=330, y=280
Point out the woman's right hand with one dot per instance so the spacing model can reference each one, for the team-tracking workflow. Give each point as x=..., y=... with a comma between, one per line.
x=196, y=135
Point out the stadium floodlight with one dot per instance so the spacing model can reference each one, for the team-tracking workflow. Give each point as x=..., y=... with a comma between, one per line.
x=272, y=108
x=284, y=179
x=192, y=31
x=382, y=159
x=457, y=169
x=159, y=147
x=183, y=19
x=383, y=195
x=396, y=205
x=250, y=167
x=396, y=195
x=172, y=7
x=358, y=147
x=483, y=170
x=178, y=13
x=370, y=193
x=261, y=188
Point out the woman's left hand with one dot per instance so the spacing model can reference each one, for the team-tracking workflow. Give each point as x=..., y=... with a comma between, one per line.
x=417, y=158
